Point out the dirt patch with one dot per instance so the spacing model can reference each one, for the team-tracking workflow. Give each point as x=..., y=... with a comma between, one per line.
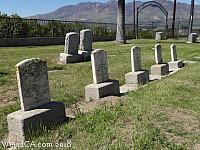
x=8, y=96
x=197, y=147
x=83, y=107
x=178, y=125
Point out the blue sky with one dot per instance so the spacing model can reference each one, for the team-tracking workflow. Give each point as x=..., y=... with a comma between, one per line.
x=32, y=7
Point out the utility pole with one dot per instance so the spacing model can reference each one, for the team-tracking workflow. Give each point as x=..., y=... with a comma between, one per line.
x=191, y=17
x=174, y=20
x=134, y=19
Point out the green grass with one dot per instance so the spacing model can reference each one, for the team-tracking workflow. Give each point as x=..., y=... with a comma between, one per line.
x=162, y=115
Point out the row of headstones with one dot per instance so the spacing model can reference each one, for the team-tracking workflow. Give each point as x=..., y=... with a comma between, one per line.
x=72, y=54
x=103, y=86
x=38, y=110
x=192, y=38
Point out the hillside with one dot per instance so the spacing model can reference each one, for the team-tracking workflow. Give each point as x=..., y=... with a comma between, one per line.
x=107, y=12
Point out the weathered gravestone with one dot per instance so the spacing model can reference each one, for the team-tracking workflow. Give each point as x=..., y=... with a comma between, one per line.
x=159, y=36
x=137, y=76
x=37, y=109
x=174, y=64
x=192, y=38
x=86, y=38
x=70, y=54
x=102, y=85
x=160, y=69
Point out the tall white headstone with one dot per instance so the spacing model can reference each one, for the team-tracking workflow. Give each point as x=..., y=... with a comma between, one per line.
x=158, y=54
x=33, y=84
x=99, y=66
x=136, y=59
x=173, y=53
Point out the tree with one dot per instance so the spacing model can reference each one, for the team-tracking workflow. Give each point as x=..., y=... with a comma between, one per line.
x=120, y=36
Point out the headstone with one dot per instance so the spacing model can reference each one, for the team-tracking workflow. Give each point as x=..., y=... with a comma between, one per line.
x=70, y=54
x=99, y=66
x=71, y=43
x=137, y=76
x=174, y=64
x=102, y=86
x=86, y=40
x=173, y=53
x=192, y=38
x=33, y=83
x=158, y=54
x=136, y=59
x=160, y=69
x=37, y=110
x=159, y=36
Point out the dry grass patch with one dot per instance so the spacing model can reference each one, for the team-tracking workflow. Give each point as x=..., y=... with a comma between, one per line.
x=178, y=125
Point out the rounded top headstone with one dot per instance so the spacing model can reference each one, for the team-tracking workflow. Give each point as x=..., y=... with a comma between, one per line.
x=157, y=46
x=29, y=61
x=173, y=53
x=33, y=84
x=158, y=54
x=173, y=46
x=99, y=66
x=135, y=59
x=71, y=33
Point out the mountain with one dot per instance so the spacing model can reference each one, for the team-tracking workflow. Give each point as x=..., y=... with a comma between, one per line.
x=107, y=12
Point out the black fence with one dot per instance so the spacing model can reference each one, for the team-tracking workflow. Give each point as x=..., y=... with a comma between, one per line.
x=149, y=29
x=26, y=28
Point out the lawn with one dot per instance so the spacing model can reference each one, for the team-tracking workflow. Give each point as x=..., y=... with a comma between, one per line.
x=162, y=115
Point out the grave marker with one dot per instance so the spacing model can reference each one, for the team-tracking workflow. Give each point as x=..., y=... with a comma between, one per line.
x=86, y=40
x=158, y=54
x=33, y=83
x=102, y=85
x=99, y=66
x=137, y=76
x=70, y=54
x=160, y=69
x=37, y=109
x=174, y=64
x=135, y=59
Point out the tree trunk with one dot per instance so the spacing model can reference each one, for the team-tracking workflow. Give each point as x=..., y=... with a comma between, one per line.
x=191, y=16
x=120, y=37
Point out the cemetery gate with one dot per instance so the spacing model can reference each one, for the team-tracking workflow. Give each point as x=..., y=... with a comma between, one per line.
x=153, y=4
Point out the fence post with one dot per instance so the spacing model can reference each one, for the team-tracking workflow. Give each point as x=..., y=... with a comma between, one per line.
x=53, y=32
x=178, y=36
x=82, y=25
x=105, y=29
x=9, y=33
x=152, y=30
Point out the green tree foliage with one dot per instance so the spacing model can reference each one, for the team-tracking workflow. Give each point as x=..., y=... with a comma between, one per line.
x=16, y=27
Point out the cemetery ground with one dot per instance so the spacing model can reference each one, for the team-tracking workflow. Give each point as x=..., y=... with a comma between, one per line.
x=163, y=114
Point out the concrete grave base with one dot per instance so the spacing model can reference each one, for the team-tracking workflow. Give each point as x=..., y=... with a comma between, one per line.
x=160, y=69
x=97, y=91
x=86, y=55
x=174, y=65
x=69, y=58
x=137, y=78
x=127, y=88
x=22, y=123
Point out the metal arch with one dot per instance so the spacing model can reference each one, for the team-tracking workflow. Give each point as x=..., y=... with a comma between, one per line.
x=153, y=4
